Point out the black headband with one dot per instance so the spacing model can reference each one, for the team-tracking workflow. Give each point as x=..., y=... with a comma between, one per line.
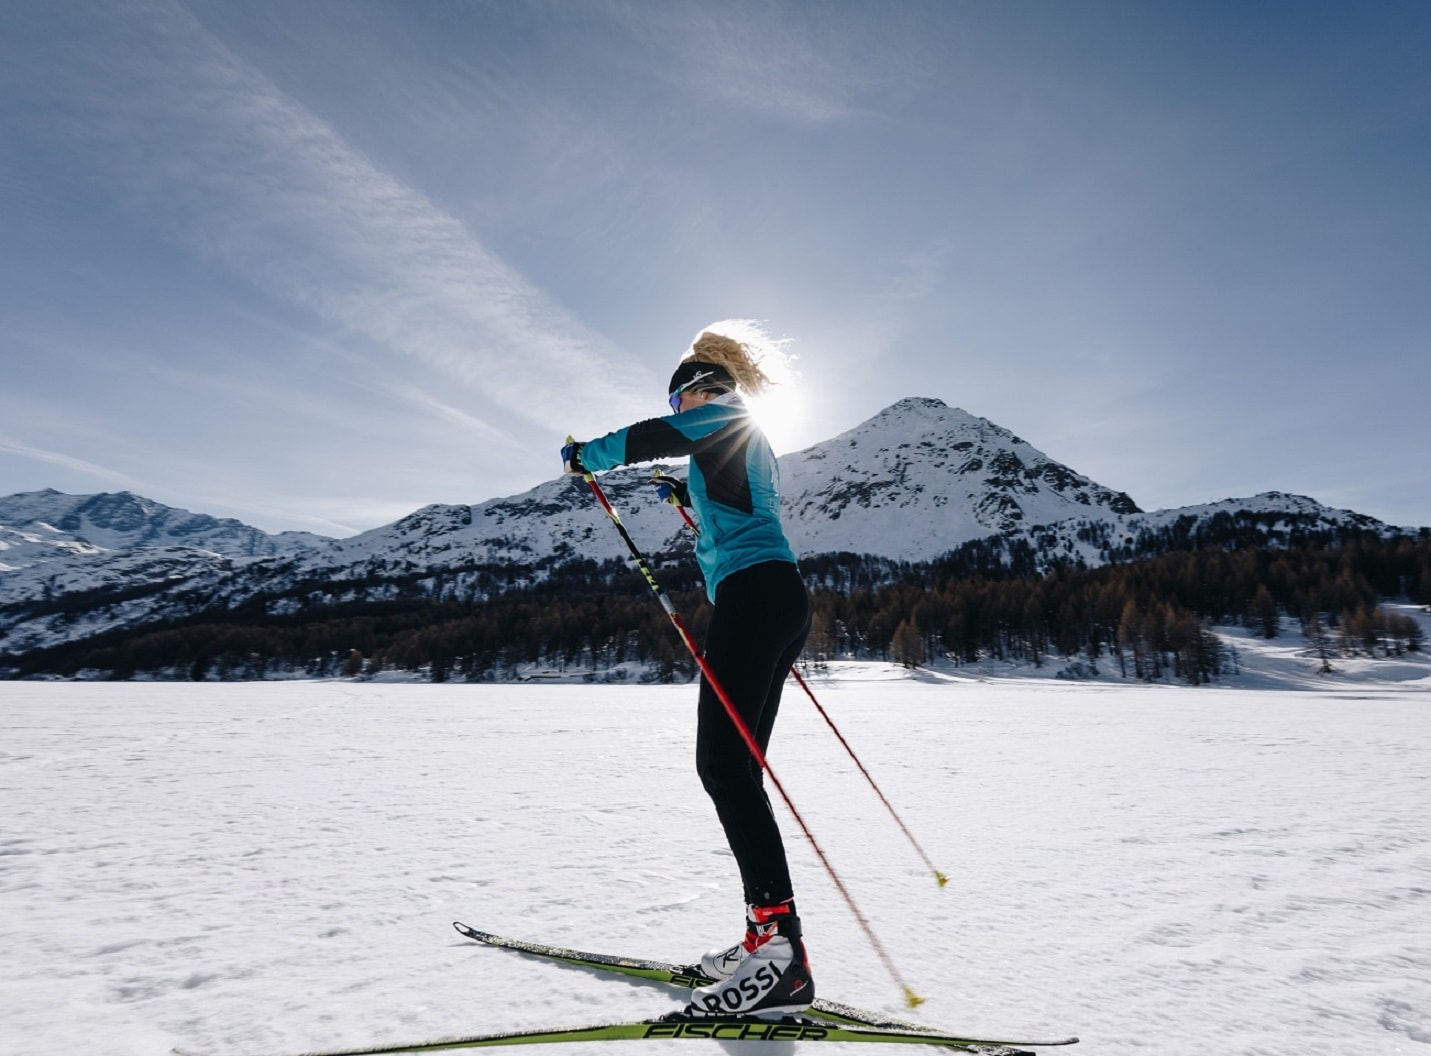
x=697, y=375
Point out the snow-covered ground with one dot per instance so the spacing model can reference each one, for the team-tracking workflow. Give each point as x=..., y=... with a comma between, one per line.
x=1288, y=661
x=274, y=866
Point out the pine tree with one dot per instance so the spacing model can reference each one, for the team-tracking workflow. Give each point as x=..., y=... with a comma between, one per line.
x=907, y=644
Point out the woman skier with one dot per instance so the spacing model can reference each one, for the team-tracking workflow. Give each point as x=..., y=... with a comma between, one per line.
x=758, y=627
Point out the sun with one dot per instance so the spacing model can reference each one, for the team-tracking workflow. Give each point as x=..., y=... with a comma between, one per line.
x=780, y=413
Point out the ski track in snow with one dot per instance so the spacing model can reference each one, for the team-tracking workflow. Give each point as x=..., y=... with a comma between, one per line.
x=274, y=867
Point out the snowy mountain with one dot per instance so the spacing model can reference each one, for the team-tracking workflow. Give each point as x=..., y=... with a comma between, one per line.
x=917, y=480
x=911, y=483
x=39, y=525
x=96, y=562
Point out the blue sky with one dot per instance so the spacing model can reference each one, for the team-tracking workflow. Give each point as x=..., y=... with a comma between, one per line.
x=317, y=264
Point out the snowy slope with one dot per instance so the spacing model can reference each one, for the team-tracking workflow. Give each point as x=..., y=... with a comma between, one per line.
x=272, y=867
x=37, y=542
x=558, y=520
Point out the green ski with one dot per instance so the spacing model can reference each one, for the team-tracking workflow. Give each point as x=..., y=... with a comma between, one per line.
x=676, y=1026
x=691, y=976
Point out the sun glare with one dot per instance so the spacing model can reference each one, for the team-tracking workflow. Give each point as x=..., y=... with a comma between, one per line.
x=780, y=412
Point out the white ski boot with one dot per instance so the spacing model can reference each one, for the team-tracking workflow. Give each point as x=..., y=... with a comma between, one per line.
x=766, y=974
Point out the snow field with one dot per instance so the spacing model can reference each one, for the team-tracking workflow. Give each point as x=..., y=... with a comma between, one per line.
x=274, y=866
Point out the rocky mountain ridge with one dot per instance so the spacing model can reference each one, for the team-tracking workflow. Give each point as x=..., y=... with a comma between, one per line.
x=917, y=480
x=38, y=525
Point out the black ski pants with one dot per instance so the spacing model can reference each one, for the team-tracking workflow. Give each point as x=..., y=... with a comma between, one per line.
x=758, y=627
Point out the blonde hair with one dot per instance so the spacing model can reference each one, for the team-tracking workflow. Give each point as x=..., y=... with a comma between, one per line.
x=754, y=360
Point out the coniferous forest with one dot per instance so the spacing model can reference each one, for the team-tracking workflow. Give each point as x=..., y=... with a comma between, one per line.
x=1146, y=613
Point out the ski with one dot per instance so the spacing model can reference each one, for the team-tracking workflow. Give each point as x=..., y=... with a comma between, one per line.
x=691, y=976
x=677, y=1026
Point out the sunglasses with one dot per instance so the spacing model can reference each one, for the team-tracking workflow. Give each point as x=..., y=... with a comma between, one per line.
x=675, y=398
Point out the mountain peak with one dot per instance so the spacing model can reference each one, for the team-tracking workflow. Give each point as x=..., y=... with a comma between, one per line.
x=921, y=412
x=915, y=404
x=921, y=477
x=926, y=409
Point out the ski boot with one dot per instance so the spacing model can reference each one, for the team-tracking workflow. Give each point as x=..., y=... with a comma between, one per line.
x=766, y=974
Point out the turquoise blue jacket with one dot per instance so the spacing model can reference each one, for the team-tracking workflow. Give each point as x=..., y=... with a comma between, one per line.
x=734, y=481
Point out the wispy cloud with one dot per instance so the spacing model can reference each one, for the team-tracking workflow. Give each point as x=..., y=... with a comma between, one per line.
x=210, y=150
x=11, y=446
x=756, y=58
x=455, y=415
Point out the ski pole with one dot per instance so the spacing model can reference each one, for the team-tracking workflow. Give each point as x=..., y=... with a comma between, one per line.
x=939, y=877
x=910, y=997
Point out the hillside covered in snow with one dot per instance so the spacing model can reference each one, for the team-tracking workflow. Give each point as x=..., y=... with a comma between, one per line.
x=918, y=483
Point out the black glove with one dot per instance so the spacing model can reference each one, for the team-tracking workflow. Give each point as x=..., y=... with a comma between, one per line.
x=671, y=490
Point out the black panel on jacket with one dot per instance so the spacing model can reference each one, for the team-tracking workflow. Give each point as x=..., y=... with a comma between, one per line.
x=720, y=457
x=653, y=439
